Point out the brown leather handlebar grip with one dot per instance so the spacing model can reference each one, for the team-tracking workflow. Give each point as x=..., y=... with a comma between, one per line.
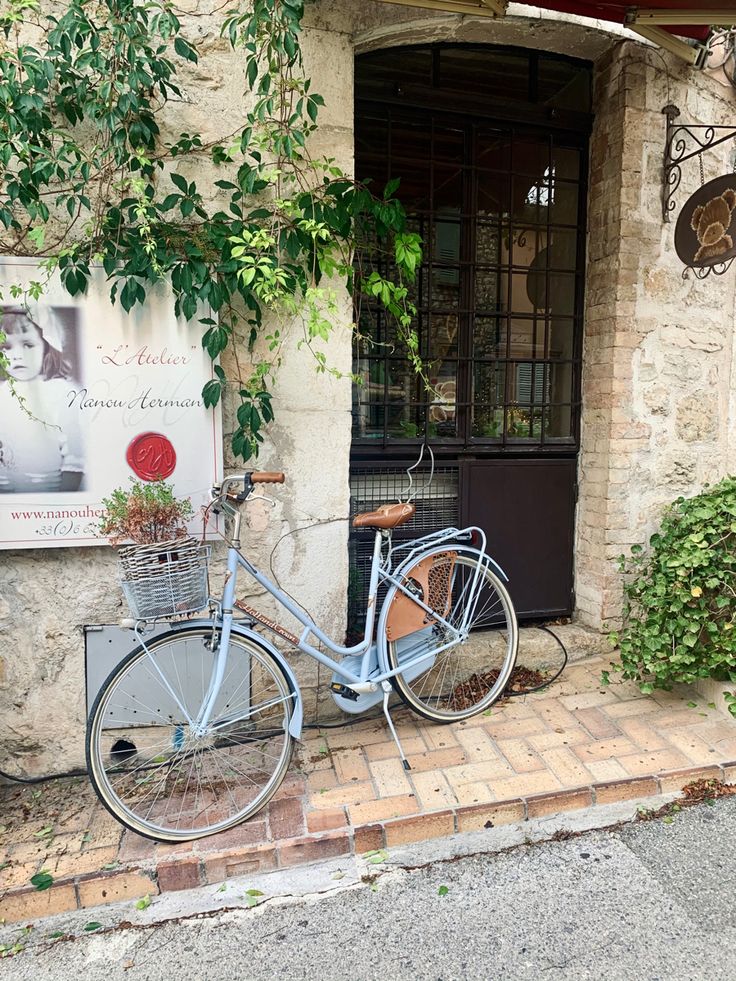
x=267, y=478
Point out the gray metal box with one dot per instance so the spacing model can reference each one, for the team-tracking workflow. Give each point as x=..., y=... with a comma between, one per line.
x=105, y=646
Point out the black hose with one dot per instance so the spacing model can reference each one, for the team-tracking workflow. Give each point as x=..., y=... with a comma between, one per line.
x=550, y=681
x=45, y=778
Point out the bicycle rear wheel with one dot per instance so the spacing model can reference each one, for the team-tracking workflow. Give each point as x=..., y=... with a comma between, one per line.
x=454, y=680
x=149, y=764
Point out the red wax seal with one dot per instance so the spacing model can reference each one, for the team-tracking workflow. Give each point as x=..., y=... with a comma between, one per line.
x=151, y=456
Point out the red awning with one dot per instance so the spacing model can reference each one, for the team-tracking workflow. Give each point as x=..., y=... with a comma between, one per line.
x=616, y=10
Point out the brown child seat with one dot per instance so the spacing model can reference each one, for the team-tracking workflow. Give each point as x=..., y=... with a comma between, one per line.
x=386, y=516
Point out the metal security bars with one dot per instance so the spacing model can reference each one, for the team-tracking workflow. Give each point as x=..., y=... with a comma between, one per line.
x=499, y=297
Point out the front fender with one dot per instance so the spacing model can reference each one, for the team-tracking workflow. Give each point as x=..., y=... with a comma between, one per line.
x=297, y=716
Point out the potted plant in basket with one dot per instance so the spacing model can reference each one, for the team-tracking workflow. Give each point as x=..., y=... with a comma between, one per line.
x=146, y=513
x=163, y=570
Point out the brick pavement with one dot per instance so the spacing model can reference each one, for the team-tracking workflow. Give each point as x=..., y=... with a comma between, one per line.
x=572, y=746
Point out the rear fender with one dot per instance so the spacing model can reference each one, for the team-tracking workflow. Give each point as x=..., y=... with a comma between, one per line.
x=465, y=549
x=405, y=567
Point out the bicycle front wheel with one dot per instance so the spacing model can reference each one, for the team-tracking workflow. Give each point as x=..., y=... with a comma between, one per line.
x=160, y=773
x=452, y=678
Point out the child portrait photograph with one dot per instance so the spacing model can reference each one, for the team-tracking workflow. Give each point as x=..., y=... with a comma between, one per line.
x=42, y=444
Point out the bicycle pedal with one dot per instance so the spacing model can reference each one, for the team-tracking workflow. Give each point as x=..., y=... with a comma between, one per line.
x=344, y=691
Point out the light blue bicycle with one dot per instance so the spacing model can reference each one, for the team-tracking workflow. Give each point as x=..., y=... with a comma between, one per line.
x=193, y=731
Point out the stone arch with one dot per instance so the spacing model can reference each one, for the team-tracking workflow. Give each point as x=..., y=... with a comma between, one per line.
x=547, y=31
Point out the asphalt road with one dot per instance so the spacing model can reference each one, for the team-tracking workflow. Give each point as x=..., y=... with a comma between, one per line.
x=646, y=902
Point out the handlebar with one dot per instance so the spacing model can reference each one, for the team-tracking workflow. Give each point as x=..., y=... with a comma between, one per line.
x=246, y=481
x=264, y=477
x=221, y=496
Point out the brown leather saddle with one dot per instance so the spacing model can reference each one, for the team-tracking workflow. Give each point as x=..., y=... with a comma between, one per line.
x=385, y=517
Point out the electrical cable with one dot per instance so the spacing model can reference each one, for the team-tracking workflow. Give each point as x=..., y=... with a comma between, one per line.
x=549, y=681
x=43, y=779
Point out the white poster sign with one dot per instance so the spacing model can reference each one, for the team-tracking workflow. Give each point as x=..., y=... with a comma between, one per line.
x=98, y=397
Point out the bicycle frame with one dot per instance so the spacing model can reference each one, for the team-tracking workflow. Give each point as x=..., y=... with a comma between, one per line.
x=381, y=572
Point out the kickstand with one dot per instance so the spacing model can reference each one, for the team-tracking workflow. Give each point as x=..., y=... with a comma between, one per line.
x=386, y=693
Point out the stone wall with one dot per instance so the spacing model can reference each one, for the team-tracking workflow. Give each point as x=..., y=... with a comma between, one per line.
x=46, y=597
x=658, y=417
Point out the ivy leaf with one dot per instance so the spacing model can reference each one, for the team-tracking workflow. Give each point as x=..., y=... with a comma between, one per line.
x=37, y=236
x=251, y=897
x=211, y=393
x=185, y=50
x=391, y=188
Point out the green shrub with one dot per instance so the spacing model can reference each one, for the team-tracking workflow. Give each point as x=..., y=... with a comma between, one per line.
x=679, y=618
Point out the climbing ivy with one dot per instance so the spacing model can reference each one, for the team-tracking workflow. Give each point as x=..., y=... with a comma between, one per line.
x=679, y=618
x=87, y=177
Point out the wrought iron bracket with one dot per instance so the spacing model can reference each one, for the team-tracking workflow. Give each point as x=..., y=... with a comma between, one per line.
x=685, y=141
x=717, y=269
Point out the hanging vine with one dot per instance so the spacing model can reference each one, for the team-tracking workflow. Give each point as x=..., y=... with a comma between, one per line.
x=87, y=178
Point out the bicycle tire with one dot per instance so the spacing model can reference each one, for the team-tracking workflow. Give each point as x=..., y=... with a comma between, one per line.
x=467, y=678
x=147, y=764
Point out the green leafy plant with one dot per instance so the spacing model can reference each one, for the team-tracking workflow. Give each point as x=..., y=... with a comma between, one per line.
x=42, y=880
x=10, y=950
x=408, y=429
x=88, y=177
x=146, y=512
x=679, y=617
x=252, y=896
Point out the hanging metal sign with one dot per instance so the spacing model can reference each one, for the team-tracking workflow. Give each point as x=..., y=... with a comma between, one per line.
x=705, y=235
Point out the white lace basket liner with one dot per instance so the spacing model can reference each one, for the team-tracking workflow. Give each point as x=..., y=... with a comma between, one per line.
x=165, y=579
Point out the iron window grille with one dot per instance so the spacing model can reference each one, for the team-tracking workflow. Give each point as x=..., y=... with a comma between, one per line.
x=500, y=208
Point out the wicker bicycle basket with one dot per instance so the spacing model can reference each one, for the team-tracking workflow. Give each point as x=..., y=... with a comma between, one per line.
x=165, y=579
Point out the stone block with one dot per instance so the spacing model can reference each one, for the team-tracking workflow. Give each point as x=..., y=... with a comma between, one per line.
x=115, y=888
x=314, y=849
x=175, y=876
